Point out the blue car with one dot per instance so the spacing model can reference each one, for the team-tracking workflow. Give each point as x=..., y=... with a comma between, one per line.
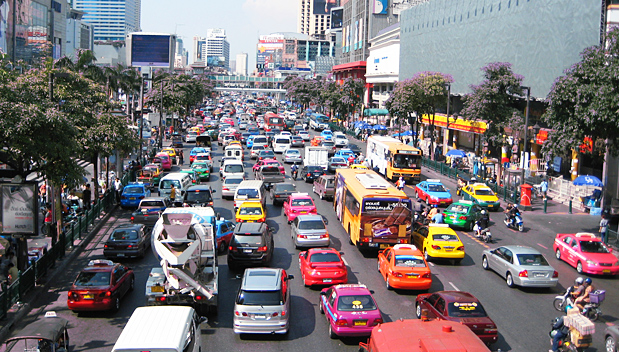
x=225, y=229
x=195, y=151
x=253, y=131
x=250, y=141
x=327, y=134
x=433, y=192
x=345, y=153
x=132, y=194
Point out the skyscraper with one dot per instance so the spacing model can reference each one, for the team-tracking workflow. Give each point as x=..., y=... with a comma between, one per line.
x=315, y=17
x=198, y=47
x=216, y=52
x=112, y=19
x=241, y=64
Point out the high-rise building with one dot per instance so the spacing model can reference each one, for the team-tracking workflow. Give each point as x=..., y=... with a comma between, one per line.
x=216, y=52
x=241, y=64
x=79, y=34
x=112, y=19
x=198, y=48
x=315, y=17
x=180, y=56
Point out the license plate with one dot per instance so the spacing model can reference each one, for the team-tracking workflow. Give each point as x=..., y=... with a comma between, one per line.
x=327, y=280
x=412, y=275
x=384, y=245
x=156, y=288
x=132, y=198
x=89, y=296
x=120, y=254
x=303, y=212
x=448, y=250
x=606, y=271
x=539, y=275
x=373, y=244
x=260, y=316
x=247, y=251
x=360, y=322
x=313, y=237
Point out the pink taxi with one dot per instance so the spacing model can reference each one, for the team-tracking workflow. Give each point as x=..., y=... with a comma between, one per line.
x=298, y=204
x=166, y=160
x=350, y=310
x=587, y=253
x=269, y=162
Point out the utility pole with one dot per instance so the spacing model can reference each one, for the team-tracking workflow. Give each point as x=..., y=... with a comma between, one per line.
x=161, y=117
x=141, y=118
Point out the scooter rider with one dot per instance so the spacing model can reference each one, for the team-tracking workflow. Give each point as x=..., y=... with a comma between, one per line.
x=511, y=213
x=584, y=298
x=418, y=208
x=484, y=221
x=561, y=331
x=294, y=170
x=578, y=289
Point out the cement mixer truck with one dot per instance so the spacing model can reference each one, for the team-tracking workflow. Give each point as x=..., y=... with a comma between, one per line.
x=183, y=240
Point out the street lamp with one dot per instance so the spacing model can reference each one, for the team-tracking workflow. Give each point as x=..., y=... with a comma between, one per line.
x=526, y=127
x=448, y=86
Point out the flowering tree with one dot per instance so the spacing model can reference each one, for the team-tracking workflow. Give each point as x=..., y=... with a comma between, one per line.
x=497, y=101
x=303, y=91
x=351, y=97
x=583, y=103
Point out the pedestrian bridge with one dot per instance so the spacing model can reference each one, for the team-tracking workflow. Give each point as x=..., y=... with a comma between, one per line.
x=248, y=84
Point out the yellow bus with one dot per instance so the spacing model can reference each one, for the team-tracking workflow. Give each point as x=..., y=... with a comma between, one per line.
x=373, y=212
x=394, y=158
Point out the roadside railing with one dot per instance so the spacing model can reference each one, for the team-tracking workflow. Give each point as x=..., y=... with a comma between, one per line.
x=27, y=279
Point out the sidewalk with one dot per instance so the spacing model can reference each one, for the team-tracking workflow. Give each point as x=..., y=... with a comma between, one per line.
x=21, y=309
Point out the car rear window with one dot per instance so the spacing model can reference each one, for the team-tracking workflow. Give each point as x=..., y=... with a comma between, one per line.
x=282, y=141
x=152, y=203
x=134, y=190
x=250, y=211
x=355, y=303
x=465, y=310
x=260, y=140
x=260, y=298
x=460, y=209
x=247, y=240
x=409, y=261
x=233, y=168
x=324, y=258
x=124, y=235
x=271, y=169
x=532, y=259
x=445, y=237
x=248, y=192
x=199, y=196
x=233, y=181
x=93, y=278
x=302, y=202
x=281, y=187
x=311, y=225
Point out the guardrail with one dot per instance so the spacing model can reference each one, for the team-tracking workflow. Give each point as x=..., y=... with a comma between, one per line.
x=28, y=278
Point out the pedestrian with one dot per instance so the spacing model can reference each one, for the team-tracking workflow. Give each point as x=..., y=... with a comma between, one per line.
x=182, y=157
x=118, y=188
x=400, y=183
x=544, y=187
x=13, y=273
x=603, y=228
x=351, y=160
x=86, y=196
x=360, y=158
x=172, y=193
x=438, y=217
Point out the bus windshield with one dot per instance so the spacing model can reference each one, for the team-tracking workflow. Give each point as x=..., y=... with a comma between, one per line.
x=406, y=161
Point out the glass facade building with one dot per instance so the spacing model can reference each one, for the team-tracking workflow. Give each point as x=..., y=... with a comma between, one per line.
x=112, y=19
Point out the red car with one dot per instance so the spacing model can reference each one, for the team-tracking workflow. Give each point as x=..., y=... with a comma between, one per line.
x=461, y=307
x=586, y=252
x=403, y=267
x=100, y=286
x=299, y=204
x=320, y=266
x=269, y=162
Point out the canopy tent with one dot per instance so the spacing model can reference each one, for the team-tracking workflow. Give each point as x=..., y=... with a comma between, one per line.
x=375, y=112
x=379, y=127
x=405, y=133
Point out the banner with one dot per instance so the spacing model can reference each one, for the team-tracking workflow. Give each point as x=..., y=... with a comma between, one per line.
x=19, y=208
x=381, y=7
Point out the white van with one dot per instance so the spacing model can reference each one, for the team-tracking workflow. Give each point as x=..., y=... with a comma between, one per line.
x=250, y=191
x=234, y=151
x=281, y=143
x=181, y=182
x=232, y=167
x=161, y=329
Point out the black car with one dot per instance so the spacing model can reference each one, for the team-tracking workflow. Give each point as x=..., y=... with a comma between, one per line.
x=281, y=191
x=251, y=244
x=310, y=173
x=127, y=241
x=355, y=149
x=199, y=196
x=266, y=154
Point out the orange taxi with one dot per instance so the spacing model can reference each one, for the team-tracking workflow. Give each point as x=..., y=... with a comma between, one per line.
x=317, y=141
x=403, y=267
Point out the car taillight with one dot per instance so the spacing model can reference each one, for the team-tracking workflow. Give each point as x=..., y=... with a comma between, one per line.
x=161, y=299
x=225, y=189
x=262, y=249
x=123, y=197
x=108, y=293
x=73, y=295
x=523, y=273
x=261, y=220
x=366, y=239
x=462, y=217
x=308, y=174
x=232, y=249
x=341, y=322
x=302, y=236
x=238, y=314
x=132, y=218
x=426, y=276
x=402, y=240
x=239, y=220
x=555, y=274
x=326, y=235
x=199, y=298
x=436, y=247
x=377, y=321
x=129, y=246
x=461, y=248
x=396, y=274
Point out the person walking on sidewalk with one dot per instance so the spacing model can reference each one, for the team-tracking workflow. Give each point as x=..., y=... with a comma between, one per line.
x=86, y=197
x=118, y=188
x=604, y=228
x=544, y=187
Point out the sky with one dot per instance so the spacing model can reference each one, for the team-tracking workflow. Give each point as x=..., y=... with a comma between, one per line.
x=243, y=20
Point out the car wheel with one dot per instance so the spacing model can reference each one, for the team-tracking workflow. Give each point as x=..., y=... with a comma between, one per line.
x=320, y=307
x=378, y=266
x=579, y=267
x=471, y=225
x=558, y=254
x=418, y=310
x=611, y=344
x=389, y=287
x=132, y=284
x=509, y=280
x=425, y=255
x=332, y=333
x=484, y=263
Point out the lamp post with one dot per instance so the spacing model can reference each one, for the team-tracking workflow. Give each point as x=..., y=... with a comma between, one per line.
x=448, y=86
x=526, y=127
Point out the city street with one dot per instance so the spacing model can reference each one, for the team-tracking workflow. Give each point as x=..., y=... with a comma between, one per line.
x=523, y=316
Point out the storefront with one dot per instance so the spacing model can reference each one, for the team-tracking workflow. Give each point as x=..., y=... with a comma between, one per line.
x=455, y=133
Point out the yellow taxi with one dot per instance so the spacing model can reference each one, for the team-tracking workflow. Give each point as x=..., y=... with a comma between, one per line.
x=439, y=241
x=481, y=194
x=170, y=151
x=359, y=166
x=251, y=212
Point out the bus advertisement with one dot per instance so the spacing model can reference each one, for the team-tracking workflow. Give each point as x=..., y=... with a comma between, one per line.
x=272, y=121
x=373, y=212
x=393, y=158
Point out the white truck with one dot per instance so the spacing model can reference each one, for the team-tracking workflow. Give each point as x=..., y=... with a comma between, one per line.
x=316, y=156
x=184, y=241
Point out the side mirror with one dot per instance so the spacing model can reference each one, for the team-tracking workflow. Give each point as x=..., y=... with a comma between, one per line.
x=202, y=320
x=325, y=220
x=322, y=293
x=213, y=191
x=290, y=277
x=341, y=253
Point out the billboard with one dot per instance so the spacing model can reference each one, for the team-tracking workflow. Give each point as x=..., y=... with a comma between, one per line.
x=269, y=51
x=152, y=50
x=323, y=7
x=19, y=208
x=337, y=17
x=380, y=7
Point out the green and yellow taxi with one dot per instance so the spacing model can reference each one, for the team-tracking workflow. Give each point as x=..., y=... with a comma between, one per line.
x=481, y=194
x=463, y=214
x=203, y=169
x=439, y=241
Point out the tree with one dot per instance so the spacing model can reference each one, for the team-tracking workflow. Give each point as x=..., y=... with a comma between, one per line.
x=351, y=97
x=583, y=103
x=302, y=91
x=497, y=101
x=400, y=105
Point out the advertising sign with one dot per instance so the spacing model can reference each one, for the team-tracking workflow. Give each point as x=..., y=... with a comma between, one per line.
x=386, y=217
x=151, y=50
x=380, y=7
x=19, y=208
x=337, y=17
x=323, y=7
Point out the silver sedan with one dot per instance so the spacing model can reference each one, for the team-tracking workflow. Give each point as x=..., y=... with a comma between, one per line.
x=309, y=231
x=292, y=156
x=520, y=266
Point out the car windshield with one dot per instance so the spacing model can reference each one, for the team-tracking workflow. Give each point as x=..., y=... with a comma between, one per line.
x=93, y=278
x=324, y=257
x=248, y=192
x=201, y=196
x=436, y=188
x=134, y=190
x=465, y=310
x=593, y=247
x=283, y=187
x=234, y=168
x=532, y=259
x=355, y=303
x=484, y=192
x=311, y=225
x=250, y=211
x=260, y=298
x=301, y=202
x=167, y=184
x=409, y=261
x=445, y=237
x=405, y=161
x=457, y=208
x=124, y=235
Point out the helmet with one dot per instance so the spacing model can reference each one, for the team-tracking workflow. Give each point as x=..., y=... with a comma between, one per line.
x=483, y=211
x=588, y=281
x=435, y=206
x=579, y=280
x=515, y=206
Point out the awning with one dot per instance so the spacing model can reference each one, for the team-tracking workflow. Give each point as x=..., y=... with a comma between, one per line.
x=375, y=112
x=457, y=124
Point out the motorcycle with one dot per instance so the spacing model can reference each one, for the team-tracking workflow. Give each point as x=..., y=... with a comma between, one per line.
x=516, y=222
x=294, y=174
x=591, y=310
x=565, y=344
x=484, y=235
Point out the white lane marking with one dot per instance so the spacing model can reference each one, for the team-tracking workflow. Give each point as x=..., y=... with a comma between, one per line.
x=541, y=245
x=345, y=262
x=454, y=286
x=431, y=264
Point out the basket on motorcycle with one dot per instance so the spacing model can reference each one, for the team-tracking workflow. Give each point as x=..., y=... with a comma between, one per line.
x=597, y=296
x=580, y=323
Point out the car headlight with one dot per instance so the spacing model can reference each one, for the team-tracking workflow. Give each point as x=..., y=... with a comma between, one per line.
x=591, y=262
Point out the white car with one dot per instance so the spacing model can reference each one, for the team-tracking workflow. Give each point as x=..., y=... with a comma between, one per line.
x=285, y=133
x=305, y=135
x=340, y=140
x=255, y=150
x=292, y=156
x=191, y=137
